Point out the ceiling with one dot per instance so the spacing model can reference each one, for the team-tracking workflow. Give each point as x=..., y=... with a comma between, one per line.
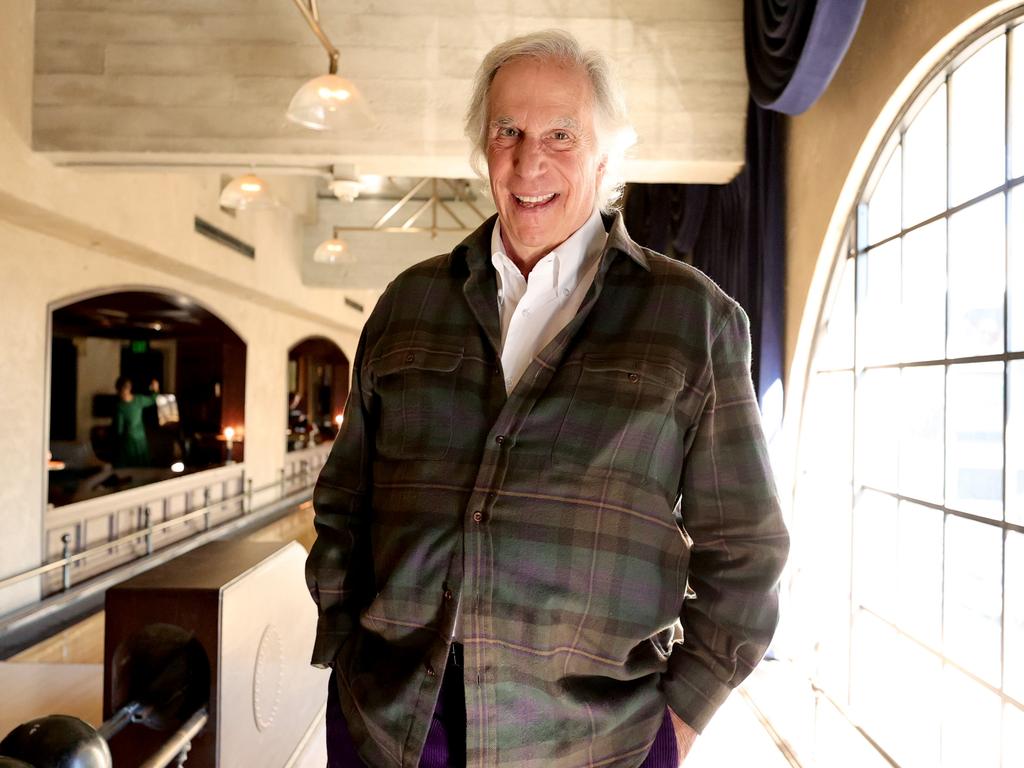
x=139, y=315
x=192, y=82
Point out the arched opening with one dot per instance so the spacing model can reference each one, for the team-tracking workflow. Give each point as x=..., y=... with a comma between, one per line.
x=317, y=389
x=144, y=386
x=907, y=517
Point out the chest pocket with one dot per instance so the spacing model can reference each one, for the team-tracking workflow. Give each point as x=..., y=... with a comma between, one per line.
x=622, y=417
x=415, y=387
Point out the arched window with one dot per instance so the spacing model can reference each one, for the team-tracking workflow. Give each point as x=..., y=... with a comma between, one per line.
x=144, y=386
x=317, y=389
x=908, y=567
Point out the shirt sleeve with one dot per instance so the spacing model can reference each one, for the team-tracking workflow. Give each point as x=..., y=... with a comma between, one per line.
x=339, y=568
x=731, y=512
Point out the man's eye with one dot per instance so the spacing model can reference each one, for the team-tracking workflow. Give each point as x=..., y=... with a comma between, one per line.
x=561, y=136
x=507, y=132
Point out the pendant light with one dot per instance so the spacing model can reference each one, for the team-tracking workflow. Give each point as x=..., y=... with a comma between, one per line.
x=333, y=251
x=324, y=102
x=247, y=193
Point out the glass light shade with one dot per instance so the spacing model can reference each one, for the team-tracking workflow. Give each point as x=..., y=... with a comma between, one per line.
x=333, y=251
x=247, y=192
x=323, y=103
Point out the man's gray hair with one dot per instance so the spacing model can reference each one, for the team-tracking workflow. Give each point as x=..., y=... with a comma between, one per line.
x=615, y=133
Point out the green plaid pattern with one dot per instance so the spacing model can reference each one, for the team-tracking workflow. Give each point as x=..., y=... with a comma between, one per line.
x=610, y=530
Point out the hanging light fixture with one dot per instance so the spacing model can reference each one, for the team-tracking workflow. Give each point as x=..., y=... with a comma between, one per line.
x=333, y=251
x=323, y=102
x=248, y=192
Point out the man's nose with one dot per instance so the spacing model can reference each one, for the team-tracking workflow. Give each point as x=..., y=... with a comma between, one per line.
x=529, y=157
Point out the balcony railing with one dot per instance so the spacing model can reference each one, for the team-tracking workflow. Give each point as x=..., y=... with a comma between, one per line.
x=97, y=536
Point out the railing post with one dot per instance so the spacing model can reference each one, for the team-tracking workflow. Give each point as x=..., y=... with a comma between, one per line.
x=182, y=756
x=206, y=508
x=66, y=553
x=149, y=530
x=247, y=507
x=281, y=481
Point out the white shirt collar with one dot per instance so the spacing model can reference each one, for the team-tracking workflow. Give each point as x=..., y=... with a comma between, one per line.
x=567, y=261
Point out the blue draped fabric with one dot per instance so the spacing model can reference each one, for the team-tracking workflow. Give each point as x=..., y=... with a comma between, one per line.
x=793, y=47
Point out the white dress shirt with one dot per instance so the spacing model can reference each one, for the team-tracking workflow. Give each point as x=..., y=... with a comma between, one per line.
x=534, y=309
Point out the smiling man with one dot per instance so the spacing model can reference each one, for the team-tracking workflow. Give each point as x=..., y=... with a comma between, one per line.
x=547, y=532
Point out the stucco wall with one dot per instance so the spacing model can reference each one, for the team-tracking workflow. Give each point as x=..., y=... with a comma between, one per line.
x=830, y=146
x=66, y=233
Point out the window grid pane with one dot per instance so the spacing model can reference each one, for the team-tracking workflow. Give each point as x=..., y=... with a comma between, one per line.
x=924, y=161
x=977, y=123
x=977, y=275
x=936, y=566
x=974, y=439
x=973, y=597
x=1017, y=101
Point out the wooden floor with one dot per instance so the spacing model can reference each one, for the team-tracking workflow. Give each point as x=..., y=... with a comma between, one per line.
x=736, y=737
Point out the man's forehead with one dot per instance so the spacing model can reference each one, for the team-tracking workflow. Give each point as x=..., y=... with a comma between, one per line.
x=557, y=94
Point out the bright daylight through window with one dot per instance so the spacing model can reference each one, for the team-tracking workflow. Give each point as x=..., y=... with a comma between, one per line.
x=910, y=497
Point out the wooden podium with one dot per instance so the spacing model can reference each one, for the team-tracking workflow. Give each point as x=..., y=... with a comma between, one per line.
x=243, y=605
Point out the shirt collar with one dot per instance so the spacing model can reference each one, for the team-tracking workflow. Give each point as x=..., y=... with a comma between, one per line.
x=568, y=260
x=473, y=251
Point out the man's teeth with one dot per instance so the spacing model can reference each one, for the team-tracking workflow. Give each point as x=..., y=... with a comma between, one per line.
x=534, y=198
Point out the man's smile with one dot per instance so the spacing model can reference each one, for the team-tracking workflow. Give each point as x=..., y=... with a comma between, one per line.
x=534, y=201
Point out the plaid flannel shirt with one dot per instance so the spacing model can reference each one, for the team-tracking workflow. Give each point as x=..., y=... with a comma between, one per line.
x=610, y=530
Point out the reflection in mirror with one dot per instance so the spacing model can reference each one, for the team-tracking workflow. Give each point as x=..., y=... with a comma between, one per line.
x=142, y=386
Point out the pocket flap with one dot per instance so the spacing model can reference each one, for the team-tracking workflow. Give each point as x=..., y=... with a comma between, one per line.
x=637, y=370
x=443, y=360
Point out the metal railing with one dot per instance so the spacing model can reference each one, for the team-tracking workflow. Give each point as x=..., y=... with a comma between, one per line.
x=142, y=541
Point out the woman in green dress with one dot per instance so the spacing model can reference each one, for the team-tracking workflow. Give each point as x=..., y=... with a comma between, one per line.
x=132, y=447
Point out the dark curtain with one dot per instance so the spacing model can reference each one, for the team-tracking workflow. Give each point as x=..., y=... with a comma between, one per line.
x=733, y=233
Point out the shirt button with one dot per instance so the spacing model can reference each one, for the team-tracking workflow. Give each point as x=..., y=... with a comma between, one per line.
x=410, y=357
x=430, y=671
x=565, y=291
x=634, y=378
x=478, y=516
x=500, y=439
x=508, y=381
x=447, y=594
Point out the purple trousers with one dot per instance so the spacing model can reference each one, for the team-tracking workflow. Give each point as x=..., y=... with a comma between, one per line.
x=446, y=739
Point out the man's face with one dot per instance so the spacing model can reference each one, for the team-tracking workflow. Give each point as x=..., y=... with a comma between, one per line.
x=542, y=154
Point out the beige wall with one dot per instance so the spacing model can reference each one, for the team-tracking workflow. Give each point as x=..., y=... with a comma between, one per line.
x=830, y=146
x=65, y=234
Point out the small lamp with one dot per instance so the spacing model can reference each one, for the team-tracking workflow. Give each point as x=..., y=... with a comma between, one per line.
x=324, y=103
x=229, y=445
x=321, y=103
x=248, y=192
x=333, y=251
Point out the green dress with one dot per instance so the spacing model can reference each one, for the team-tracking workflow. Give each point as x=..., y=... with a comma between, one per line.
x=132, y=447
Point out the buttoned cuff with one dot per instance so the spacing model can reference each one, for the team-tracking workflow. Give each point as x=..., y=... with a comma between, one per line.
x=693, y=691
x=330, y=636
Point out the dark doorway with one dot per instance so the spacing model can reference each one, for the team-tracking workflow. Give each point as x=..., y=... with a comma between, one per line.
x=318, y=374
